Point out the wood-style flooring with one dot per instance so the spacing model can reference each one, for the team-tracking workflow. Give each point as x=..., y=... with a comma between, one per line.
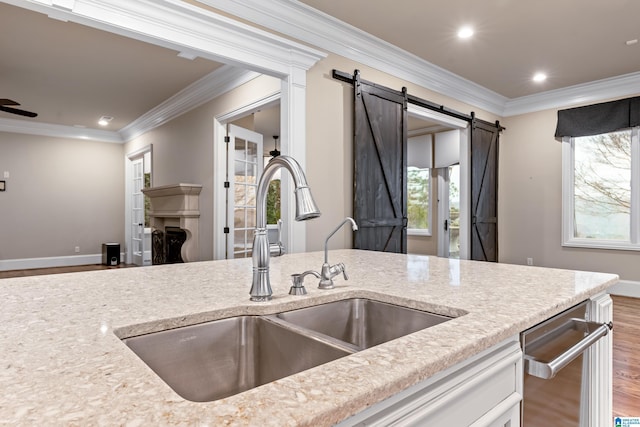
x=55, y=270
x=626, y=356
x=626, y=342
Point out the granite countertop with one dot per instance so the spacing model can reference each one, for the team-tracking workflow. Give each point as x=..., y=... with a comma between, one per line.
x=62, y=363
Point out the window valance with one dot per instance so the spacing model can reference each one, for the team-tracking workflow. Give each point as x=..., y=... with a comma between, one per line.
x=599, y=118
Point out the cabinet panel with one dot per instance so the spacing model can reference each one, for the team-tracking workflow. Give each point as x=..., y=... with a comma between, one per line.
x=484, y=389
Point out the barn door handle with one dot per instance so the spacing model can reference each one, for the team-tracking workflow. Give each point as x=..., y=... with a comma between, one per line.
x=446, y=224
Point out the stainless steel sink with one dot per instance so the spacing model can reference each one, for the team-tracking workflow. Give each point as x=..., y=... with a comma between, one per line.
x=218, y=359
x=362, y=322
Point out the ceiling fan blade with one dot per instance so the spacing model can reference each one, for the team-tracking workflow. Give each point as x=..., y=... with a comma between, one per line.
x=5, y=101
x=16, y=111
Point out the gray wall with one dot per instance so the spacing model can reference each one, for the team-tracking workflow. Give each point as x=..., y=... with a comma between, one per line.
x=61, y=193
x=183, y=150
x=530, y=202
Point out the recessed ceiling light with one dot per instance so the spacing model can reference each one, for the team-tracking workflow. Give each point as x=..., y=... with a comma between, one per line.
x=104, y=120
x=539, y=77
x=465, y=32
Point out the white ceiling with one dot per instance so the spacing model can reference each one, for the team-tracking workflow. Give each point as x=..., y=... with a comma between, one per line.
x=71, y=74
x=573, y=41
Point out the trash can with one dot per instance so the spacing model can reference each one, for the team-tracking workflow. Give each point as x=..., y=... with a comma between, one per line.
x=111, y=253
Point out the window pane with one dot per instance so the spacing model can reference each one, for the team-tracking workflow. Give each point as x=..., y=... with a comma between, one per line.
x=240, y=149
x=602, y=186
x=418, y=198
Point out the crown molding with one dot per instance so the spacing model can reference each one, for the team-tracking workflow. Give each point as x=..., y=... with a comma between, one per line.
x=58, y=131
x=175, y=24
x=186, y=28
x=302, y=22
x=596, y=91
x=212, y=85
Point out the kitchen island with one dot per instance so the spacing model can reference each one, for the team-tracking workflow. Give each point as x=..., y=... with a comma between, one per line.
x=63, y=361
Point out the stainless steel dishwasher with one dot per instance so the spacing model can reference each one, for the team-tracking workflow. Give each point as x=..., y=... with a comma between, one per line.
x=554, y=393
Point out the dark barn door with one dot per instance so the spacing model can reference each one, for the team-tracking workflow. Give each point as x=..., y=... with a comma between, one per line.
x=380, y=160
x=484, y=190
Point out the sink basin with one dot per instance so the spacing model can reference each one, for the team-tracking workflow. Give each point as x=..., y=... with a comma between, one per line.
x=218, y=359
x=362, y=322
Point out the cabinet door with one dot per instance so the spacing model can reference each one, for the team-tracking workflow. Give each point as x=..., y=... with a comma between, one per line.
x=484, y=390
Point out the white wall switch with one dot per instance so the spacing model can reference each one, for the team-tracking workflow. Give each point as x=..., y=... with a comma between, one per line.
x=6, y=174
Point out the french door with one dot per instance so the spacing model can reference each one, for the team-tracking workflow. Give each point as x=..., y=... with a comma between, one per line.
x=244, y=168
x=449, y=211
x=137, y=212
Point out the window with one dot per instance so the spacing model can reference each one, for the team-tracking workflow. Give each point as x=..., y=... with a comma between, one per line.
x=601, y=190
x=418, y=200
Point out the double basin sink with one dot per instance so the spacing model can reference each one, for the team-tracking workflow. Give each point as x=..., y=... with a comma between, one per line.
x=217, y=359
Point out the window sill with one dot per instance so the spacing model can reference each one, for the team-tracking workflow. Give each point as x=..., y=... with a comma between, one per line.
x=417, y=232
x=601, y=244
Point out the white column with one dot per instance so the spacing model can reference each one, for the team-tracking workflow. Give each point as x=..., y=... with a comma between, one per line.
x=293, y=139
x=599, y=365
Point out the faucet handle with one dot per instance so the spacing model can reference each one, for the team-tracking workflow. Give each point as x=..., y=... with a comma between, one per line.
x=344, y=272
x=298, y=282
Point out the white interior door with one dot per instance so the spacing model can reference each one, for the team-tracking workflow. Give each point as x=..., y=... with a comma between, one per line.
x=244, y=168
x=137, y=212
x=449, y=244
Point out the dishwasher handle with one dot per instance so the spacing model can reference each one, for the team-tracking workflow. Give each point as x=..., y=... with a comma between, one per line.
x=549, y=370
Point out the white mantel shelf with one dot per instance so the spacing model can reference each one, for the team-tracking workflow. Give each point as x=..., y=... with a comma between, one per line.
x=62, y=362
x=177, y=205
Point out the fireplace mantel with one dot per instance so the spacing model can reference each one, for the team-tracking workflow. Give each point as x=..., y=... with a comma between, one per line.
x=177, y=205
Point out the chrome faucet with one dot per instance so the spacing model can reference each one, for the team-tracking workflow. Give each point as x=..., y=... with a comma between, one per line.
x=328, y=271
x=305, y=209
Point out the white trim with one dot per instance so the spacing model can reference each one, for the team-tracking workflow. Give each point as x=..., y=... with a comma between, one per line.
x=599, y=90
x=49, y=262
x=626, y=288
x=597, y=370
x=220, y=167
x=419, y=232
x=214, y=84
x=465, y=194
x=568, y=198
x=309, y=25
x=176, y=25
x=183, y=27
x=128, y=174
x=245, y=110
x=442, y=119
x=443, y=212
x=58, y=131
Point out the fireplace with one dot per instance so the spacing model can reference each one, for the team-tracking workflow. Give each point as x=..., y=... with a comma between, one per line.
x=167, y=245
x=174, y=220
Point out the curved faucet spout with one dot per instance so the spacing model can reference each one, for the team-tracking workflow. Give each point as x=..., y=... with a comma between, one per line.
x=354, y=227
x=305, y=209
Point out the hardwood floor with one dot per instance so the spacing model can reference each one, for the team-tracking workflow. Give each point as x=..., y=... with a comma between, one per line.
x=626, y=356
x=56, y=270
x=626, y=341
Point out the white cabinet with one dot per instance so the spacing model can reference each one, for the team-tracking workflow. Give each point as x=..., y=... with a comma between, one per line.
x=484, y=390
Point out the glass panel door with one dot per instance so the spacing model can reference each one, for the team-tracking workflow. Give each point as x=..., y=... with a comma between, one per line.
x=137, y=212
x=244, y=171
x=454, y=211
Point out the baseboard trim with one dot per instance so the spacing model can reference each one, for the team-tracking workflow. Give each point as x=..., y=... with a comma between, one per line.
x=49, y=262
x=626, y=288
